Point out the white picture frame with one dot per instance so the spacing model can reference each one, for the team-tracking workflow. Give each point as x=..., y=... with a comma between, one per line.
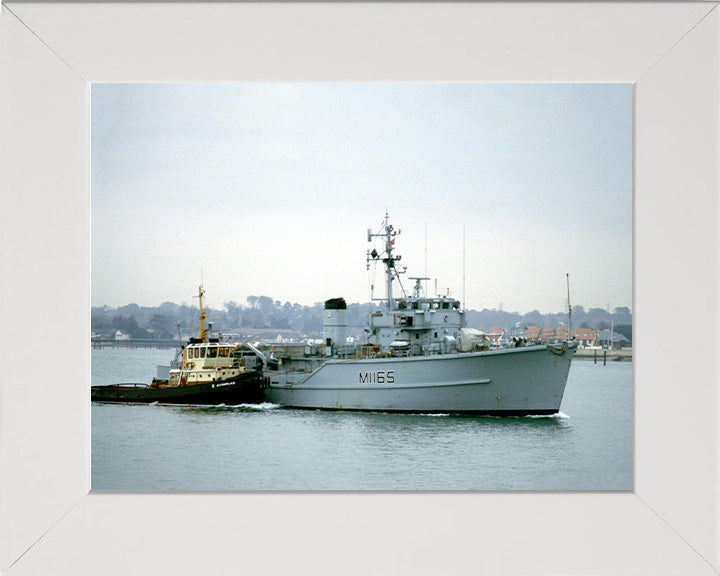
x=50, y=523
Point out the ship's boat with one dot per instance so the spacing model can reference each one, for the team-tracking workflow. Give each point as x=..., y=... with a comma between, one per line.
x=205, y=371
x=417, y=356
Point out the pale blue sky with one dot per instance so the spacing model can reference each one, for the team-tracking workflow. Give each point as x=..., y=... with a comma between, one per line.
x=268, y=189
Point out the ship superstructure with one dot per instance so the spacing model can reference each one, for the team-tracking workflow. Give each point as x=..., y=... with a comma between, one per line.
x=413, y=324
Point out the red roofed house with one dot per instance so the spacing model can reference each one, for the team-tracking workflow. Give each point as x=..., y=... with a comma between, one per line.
x=586, y=336
x=547, y=334
x=561, y=334
x=532, y=333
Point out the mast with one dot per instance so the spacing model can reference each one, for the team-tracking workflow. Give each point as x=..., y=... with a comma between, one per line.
x=202, y=332
x=569, y=308
x=389, y=262
x=387, y=233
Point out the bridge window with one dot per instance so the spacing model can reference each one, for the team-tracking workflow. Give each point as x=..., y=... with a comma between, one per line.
x=212, y=352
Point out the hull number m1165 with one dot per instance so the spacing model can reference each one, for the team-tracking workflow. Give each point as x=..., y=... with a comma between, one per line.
x=378, y=377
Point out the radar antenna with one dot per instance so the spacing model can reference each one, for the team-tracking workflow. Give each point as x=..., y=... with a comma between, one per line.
x=418, y=291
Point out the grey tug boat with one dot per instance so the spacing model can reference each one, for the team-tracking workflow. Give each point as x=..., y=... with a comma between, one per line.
x=418, y=356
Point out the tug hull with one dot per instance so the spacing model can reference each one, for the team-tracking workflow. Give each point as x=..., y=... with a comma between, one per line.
x=245, y=388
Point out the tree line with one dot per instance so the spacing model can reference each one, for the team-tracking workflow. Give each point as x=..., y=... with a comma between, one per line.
x=164, y=321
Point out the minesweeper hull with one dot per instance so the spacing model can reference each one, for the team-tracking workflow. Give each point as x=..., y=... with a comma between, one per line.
x=516, y=381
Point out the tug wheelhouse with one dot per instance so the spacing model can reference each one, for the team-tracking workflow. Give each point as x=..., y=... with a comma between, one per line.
x=207, y=362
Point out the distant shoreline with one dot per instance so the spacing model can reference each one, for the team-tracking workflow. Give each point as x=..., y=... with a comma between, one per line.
x=582, y=354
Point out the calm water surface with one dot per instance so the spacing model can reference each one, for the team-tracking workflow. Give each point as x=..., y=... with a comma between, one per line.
x=588, y=446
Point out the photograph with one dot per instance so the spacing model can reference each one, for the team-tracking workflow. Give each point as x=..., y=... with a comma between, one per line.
x=361, y=286
x=414, y=275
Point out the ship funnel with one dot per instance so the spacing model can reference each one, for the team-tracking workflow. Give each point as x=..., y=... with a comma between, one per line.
x=335, y=322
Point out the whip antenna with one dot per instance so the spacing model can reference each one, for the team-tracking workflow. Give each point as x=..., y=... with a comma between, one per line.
x=569, y=308
x=463, y=303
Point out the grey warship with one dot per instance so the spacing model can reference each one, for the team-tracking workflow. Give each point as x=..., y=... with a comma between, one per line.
x=417, y=356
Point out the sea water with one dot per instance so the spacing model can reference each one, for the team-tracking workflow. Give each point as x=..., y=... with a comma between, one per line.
x=587, y=446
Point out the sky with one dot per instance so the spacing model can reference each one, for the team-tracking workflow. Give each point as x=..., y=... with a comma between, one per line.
x=499, y=191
